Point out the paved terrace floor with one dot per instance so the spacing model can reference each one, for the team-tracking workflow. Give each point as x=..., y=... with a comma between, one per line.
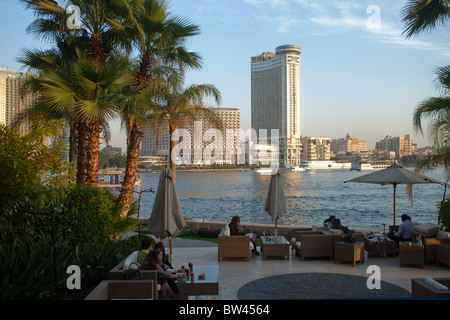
x=233, y=274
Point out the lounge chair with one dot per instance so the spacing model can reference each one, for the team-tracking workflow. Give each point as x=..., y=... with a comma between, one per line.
x=313, y=244
x=430, y=288
x=237, y=247
x=123, y=290
x=116, y=273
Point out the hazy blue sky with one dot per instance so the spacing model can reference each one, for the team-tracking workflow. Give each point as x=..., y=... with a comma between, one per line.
x=358, y=78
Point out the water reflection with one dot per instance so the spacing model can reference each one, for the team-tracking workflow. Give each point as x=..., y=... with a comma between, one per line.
x=311, y=197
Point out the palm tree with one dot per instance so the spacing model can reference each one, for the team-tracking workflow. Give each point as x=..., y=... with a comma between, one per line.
x=437, y=109
x=158, y=37
x=178, y=105
x=420, y=16
x=423, y=15
x=81, y=94
x=102, y=28
x=54, y=59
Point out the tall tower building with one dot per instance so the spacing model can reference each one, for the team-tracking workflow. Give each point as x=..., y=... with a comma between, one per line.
x=11, y=102
x=275, y=98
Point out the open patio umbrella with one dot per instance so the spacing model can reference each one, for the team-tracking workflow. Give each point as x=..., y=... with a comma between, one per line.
x=275, y=202
x=167, y=217
x=394, y=175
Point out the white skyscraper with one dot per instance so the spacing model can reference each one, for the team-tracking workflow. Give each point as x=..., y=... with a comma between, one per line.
x=275, y=103
x=11, y=101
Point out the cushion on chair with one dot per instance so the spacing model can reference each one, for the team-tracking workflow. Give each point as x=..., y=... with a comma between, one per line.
x=130, y=259
x=225, y=231
x=426, y=229
x=436, y=285
x=442, y=234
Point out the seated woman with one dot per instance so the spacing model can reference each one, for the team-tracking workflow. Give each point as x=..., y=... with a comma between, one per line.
x=337, y=225
x=237, y=230
x=153, y=262
x=328, y=222
x=167, y=266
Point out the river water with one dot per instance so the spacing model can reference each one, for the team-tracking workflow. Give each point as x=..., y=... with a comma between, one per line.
x=311, y=197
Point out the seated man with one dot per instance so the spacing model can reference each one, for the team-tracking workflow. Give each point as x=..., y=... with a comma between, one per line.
x=405, y=230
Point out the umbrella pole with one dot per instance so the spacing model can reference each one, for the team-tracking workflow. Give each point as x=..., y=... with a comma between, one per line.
x=395, y=188
x=276, y=225
x=171, y=250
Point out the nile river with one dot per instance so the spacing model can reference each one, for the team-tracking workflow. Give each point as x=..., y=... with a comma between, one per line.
x=311, y=196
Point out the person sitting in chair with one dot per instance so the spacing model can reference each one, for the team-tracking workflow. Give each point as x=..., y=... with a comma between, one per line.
x=237, y=230
x=405, y=230
x=328, y=222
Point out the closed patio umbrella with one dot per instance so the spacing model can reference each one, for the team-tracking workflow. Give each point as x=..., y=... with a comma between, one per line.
x=167, y=217
x=394, y=175
x=275, y=201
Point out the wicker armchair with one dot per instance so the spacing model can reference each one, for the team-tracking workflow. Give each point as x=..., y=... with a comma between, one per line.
x=234, y=247
x=430, y=247
x=313, y=244
x=123, y=290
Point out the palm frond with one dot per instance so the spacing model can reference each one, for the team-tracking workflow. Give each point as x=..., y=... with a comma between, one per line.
x=436, y=107
x=424, y=15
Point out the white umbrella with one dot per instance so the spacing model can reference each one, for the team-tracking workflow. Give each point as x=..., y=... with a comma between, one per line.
x=275, y=202
x=167, y=217
x=394, y=175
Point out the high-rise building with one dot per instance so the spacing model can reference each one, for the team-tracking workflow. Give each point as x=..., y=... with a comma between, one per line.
x=11, y=102
x=316, y=149
x=157, y=143
x=402, y=146
x=275, y=99
x=348, y=144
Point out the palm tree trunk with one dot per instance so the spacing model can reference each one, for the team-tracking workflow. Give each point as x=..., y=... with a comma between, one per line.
x=93, y=150
x=73, y=142
x=136, y=132
x=81, y=152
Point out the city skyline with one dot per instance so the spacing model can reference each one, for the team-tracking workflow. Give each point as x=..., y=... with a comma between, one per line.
x=359, y=75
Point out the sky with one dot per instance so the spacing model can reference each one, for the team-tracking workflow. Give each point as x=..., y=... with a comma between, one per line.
x=359, y=75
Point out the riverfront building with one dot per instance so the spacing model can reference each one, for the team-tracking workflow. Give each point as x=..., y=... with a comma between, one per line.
x=275, y=99
x=202, y=141
x=11, y=102
x=402, y=146
x=316, y=148
x=348, y=144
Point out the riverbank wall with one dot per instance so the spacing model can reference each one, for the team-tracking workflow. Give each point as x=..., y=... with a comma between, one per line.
x=287, y=231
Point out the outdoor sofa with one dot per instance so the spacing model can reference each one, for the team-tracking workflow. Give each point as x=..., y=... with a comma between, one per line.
x=123, y=290
x=116, y=273
x=430, y=288
x=313, y=244
x=431, y=237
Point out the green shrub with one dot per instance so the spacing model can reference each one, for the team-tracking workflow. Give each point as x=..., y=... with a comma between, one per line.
x=27, y=269
x=28, y=272
x=86, y=217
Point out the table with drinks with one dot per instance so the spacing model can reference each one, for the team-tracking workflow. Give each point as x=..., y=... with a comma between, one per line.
x=274, y=246
x=199, y=281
